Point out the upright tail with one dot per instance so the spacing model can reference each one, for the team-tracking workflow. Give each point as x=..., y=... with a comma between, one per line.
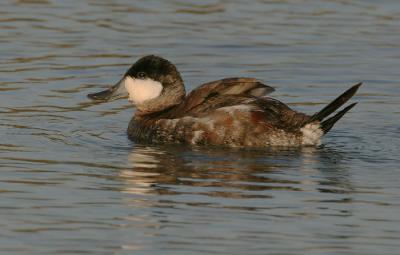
x=327, y=124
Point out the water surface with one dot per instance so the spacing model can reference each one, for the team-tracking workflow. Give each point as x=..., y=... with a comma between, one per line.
x=72, y=183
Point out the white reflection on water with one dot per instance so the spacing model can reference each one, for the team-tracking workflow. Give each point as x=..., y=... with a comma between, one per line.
x=153, y=167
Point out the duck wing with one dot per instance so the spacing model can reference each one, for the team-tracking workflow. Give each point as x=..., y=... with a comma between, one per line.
x=248, y=87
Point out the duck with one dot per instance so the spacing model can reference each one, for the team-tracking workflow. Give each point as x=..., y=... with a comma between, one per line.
x=231, y=112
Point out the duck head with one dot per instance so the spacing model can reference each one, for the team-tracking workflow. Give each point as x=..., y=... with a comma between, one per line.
x=151, y=84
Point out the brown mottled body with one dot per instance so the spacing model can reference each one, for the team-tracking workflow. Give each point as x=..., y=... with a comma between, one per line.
x=214, y=117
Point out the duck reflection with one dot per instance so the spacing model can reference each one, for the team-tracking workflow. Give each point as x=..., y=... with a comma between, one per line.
x=232, y=173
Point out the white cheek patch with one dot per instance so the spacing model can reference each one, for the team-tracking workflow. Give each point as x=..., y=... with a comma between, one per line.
x=142, y=90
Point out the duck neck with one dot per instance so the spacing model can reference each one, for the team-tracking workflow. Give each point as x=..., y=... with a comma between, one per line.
x=169, y=98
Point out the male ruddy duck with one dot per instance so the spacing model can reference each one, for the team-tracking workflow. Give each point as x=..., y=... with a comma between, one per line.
x=231, y=112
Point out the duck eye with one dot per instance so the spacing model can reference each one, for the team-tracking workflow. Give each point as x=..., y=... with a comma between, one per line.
x=141, y=75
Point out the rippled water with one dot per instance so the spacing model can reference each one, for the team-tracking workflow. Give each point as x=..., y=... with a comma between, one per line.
x=72, y=183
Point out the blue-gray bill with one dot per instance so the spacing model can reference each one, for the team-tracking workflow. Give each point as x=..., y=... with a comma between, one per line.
x=115, y=92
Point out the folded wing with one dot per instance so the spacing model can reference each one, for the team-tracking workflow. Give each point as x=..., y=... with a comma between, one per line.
x=230, y=86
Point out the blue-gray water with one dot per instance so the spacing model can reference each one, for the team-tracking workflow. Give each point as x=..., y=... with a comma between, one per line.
x=72, y=183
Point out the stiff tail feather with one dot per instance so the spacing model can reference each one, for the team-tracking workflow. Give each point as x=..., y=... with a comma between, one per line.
x=327, y=124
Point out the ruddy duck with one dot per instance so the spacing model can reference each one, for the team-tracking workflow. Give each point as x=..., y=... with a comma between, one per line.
x=232, y=112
